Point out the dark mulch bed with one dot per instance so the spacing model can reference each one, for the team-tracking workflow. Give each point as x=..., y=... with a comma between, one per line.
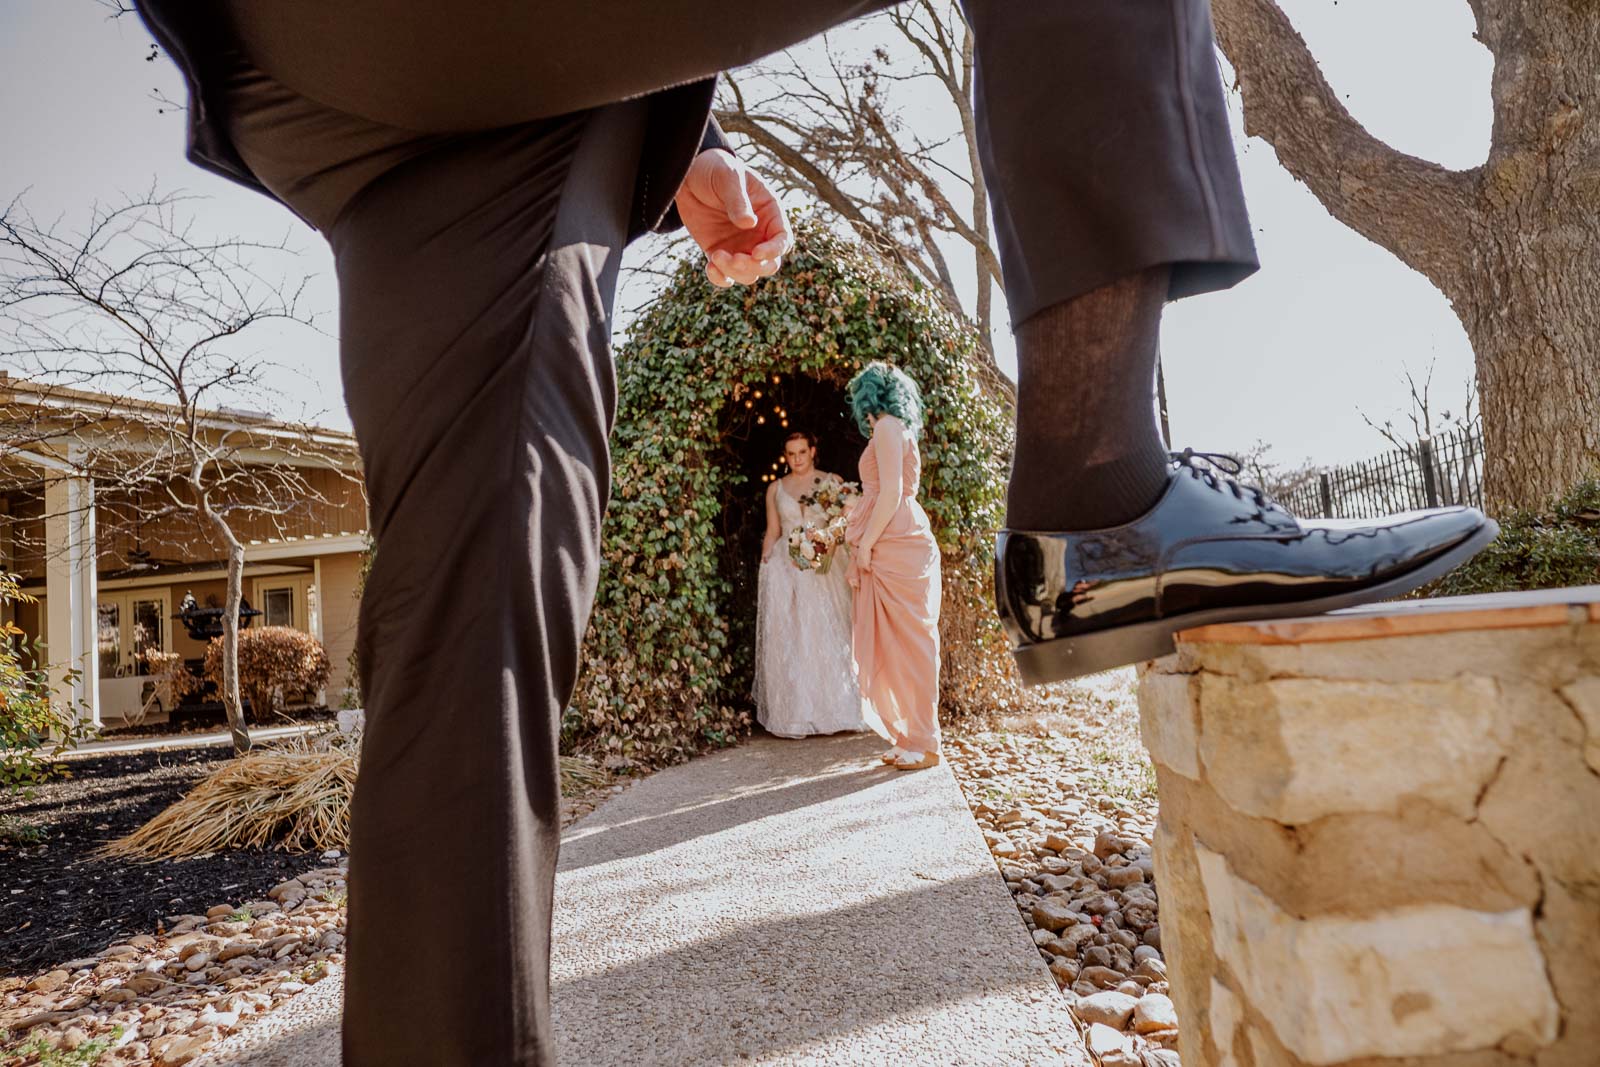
x=59, y=902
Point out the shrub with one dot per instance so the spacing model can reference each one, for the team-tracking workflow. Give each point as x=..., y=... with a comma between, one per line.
x=35, y=727
x=274, y=663
x=171, y=679
x=665, y=674
x=1549, y=550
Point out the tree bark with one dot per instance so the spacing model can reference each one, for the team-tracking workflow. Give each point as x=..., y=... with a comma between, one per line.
x=1514, y=244
x=233, y=599
x=1534, y=323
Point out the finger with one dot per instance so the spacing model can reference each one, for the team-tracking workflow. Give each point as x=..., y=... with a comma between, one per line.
x=769, y=267
x=774, y=221
x=716, y=277
x=730, y=186
x=774, y=247
x=737, y=266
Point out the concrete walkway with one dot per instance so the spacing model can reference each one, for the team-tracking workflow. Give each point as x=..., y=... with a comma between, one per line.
x=165, y=741
x=786, y=902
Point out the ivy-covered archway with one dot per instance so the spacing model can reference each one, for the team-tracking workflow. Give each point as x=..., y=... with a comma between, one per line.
x=667, y=658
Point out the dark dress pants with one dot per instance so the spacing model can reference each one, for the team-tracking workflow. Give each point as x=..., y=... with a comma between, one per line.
x=474, y=177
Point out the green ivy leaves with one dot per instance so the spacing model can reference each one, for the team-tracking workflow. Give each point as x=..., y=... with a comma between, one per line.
x=660, y=682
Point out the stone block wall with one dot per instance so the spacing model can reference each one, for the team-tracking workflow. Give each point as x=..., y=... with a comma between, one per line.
x=1382, y=845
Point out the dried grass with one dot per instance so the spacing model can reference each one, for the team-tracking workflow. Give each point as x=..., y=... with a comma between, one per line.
x=294, y=797
x=578, y=775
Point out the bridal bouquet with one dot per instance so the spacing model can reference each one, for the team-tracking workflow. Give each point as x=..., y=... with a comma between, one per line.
x=812, y=546
x=833, y=498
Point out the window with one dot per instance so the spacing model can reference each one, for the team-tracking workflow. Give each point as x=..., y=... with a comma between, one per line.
x=127, y=625
x=284, y=600
x=149, y=617
x=108, y=638
x=278, y=609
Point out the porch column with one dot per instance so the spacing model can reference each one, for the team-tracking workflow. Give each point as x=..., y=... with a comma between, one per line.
x=314, y=613
x=71, y=593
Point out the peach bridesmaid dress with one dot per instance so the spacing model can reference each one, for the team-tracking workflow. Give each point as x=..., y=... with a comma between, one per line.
x=896, y=632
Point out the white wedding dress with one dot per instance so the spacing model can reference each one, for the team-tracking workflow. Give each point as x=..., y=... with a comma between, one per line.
x=805, y=669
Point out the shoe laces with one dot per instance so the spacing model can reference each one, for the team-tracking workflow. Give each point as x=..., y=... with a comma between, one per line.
x=1219, y=471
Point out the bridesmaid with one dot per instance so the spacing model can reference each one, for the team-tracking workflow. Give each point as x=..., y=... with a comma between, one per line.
x=895, y=571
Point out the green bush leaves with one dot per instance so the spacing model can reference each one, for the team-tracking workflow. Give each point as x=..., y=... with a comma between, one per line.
x=661, y=681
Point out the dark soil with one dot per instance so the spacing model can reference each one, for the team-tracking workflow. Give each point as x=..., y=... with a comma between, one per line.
x=60, y=902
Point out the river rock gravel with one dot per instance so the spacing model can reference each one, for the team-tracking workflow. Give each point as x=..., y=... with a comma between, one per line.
x=1066, y=800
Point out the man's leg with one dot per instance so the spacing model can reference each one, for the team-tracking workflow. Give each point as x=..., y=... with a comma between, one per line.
x=475, y=288
x=1105, y=143
x=1111, y=170
x=1110, y=164
x=505, y=63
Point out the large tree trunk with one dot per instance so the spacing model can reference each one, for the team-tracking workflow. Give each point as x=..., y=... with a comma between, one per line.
x=1514, y=244
x=1534, y=326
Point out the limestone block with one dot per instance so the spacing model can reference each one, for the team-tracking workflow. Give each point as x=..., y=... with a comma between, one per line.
x=1298, y=749
x=1584, y=697
x=1543, y=801
x=1420, y=980
x=1568, y=924
x=1166, y=721
x=1543, y=655
x=1224, y=1017
x=1185, y=927
x=1427, y=857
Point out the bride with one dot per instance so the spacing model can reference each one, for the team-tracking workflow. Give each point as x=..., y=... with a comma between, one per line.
x=805, y=671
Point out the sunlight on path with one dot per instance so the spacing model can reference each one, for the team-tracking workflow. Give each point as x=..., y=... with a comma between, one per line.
x=784, y=902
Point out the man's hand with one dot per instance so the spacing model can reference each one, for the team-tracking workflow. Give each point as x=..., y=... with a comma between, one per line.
x=735, y=219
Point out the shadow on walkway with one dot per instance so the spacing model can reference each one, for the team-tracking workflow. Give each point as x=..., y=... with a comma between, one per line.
x=917, y=977
x=836, y=766
x=780, y=903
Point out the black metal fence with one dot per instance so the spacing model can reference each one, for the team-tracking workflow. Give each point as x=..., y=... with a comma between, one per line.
x=1447, y=469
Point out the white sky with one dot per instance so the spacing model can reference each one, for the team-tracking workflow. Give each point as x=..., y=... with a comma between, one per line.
x=1288, y=356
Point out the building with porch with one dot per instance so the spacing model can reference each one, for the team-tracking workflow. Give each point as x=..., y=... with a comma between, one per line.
x=111, y=558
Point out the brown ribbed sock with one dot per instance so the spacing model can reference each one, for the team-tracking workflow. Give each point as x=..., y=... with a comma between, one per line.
x=1089, y=450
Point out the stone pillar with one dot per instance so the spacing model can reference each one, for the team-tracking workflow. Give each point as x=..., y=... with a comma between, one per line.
x=1380, y=834
x=71, y=596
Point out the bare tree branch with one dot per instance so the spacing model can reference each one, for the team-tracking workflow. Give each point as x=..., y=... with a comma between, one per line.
x=1412, y=207
x=147, y=314
x=822, y=123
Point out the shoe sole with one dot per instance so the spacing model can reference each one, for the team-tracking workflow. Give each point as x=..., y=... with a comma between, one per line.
x=1073, y=657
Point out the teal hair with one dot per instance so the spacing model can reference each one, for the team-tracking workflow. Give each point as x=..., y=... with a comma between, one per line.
x=883, y=389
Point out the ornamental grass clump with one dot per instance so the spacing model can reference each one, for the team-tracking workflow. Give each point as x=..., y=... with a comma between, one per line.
x=294, y=797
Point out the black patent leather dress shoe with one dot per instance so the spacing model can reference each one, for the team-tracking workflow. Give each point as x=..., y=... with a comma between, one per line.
x=1211, y=550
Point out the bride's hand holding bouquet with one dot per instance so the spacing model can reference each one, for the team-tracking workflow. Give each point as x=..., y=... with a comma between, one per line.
x=812, y=546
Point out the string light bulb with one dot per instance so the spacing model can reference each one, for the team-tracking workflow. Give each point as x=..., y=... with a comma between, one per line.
x=761, y=420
